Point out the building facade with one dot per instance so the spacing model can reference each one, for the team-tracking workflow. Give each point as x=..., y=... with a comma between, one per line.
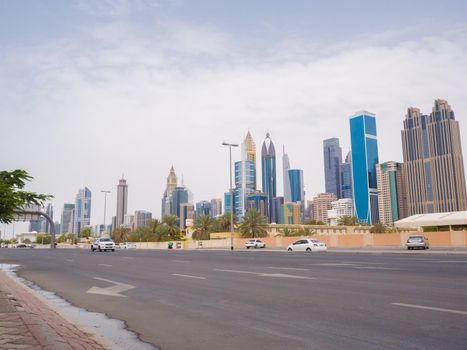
x=433, y=162
x=187, y=215
x=68, y=213
x=122, y=201
x=203, y=208
x=82, y=212
x=227, y=202
x=216, y=207
x=364, y=143
x=268, y=168
x=297, y=187
x=245, y=179
x=259, y=201
x=277, y=203
x=321, y=204
x=180, y=195
x=392, y=198
x=249, y=153
x=332, y=154
x=285, y=176
x=341, y=207
x=172, y=183
x=142, y=218
x=291, y=213
x=346, y=177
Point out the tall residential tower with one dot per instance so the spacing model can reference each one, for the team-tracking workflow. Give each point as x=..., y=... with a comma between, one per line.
x=268, y=167
x=122, y=201
x=332, y=153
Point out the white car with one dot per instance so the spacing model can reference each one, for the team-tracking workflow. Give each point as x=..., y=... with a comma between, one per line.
x=103, y=244
x=307, y=245
x=127, y=245
x=255, y=243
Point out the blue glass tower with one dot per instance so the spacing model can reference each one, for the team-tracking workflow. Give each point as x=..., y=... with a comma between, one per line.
x=364, y=144
x=268, y=167
x=245, y=182
x=179, y=196
x=346, y=177
x=332, y=154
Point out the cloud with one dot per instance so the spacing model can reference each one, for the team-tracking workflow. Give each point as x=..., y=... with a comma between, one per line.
x=125, y=98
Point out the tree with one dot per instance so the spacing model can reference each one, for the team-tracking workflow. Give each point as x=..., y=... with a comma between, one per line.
x=222, y=223
x=314, y=222
x=121, y=234
x=27, y=241
x=43, y=239
x=253, y=225
x=61, y=239
x=172, y=222
x=71, y=237
x=153, y=224
x=85, y=232
x=348, y=220
x=378, y=228
x=203, y=227
x=12, y=196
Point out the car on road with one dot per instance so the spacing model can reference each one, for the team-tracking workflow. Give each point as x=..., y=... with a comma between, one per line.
x=21, y=245
x=103, y=244
x=307, y=245
x=417, y=242
x=127, y=245
x=255, y=243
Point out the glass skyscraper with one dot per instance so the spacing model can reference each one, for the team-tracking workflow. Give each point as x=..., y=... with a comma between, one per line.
x=297, y=188
x=268, y=167
x=332, y=153
x=245, y=180
x=82, y=210
x=391, y=192
x=364, y=144
x=346, y=177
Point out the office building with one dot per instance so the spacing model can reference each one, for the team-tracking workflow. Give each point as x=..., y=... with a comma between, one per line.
x=172, y=182
x=179, y=195
x=142, y=218
x=346, y=177
x=321, y=205
x=297, y=187
x=433, y=162
x=114, y=223
x=249, y=153
x=332, y=153
x=260, y=201
x=203, y=208
x=227, y=200
x=35, y=225
x=216, y=207
x=291, y=213
x=57, y=228
x=364, y=159
x=186, y=215
x=285, y=176
x=341, y=207
x=122, y=201
x=392, y=199
x=277, y=209
x=244, y=185
x=67, y=218
x=82, y=210
x=128, y=221
x=268, y=168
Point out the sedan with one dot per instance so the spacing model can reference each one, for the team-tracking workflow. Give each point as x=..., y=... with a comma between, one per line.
x=255, y=243
x=307, y=245
x=415, y=242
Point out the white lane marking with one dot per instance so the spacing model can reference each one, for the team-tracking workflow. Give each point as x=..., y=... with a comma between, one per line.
x=288, y=268
x=128, y=257
x=70, y=260
x=375, y=268
x=333, y=264
x=113, y=291
x=106, y=265
x=282, y=275
x=449, y=261
x=431, y=308
x=182, y=261
x=189, y=276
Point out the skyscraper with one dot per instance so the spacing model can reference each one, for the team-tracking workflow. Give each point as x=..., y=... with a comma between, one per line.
x=82, y=216
x=203, y=208
x=285, y=176
x=216, y=206
x=332, y=153
x=297, y=188
x=249, y=151
x=186, y=215
x=268, y=163
x=180, y=195
x=172, y=183
x=260, y=201
x=45, y=226
x=364, y=159
x=346, y=177
x=122, y=201
x=67, y=218
x=433, y=163
x=227, y=202
x=142, y=218
x=321, y=204
x=244, y=185
x=391, y=192
x=277, y=203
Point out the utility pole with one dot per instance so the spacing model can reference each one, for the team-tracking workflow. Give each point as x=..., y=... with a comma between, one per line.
x=230, y=145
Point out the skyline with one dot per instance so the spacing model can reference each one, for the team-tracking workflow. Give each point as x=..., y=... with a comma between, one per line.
x=104, y=94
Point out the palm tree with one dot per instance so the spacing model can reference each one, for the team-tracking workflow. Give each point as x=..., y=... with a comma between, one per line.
x=121, y=234
x=254, y=225
x=203, y=227
x=172, y=221
x=153, y=224
x=348, y=220
x=223, y=222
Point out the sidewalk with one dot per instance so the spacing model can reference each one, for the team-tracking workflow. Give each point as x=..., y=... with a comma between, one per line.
x=27, y=322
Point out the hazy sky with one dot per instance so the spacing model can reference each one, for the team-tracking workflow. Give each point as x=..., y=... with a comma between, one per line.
x=93, y=89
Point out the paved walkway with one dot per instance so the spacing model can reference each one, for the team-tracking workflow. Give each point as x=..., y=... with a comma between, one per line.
x=27, y=322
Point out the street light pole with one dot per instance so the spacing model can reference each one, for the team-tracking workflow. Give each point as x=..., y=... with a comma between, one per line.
x=105, y=205
x=230, y=145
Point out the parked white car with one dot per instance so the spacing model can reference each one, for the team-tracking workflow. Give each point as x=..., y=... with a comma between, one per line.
x=127, y=245
x=103, y=244
x=255, y=243
x=307, y=245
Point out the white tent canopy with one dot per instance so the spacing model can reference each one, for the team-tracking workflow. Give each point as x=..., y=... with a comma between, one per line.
x=434, y=219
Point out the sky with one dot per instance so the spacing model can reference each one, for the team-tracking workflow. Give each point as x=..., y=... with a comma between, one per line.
x=93, y=90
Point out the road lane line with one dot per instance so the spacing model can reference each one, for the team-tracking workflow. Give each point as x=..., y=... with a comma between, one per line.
x=238, y=271
x=128, y=257
x=261, y=274
x=375, y=268
x=106, y=265
x=288, y=268
x=189, y=276
x=70, y=260
x=182, y=261
x=431, y=308
x=332, y=264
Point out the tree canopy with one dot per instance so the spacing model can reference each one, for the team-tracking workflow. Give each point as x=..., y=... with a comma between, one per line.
x=12, y=196
x=254, y=225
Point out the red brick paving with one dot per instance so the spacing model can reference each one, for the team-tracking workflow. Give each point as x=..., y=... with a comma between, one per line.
x=36, y=325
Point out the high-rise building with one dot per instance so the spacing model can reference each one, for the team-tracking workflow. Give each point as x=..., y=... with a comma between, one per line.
x=57, y=227
x=122, y=201
x=291, y=213
x=364, y=159
x=268, y=167
x=67, y=223
x=341, y=207
x=260, y=201
x=346, y=177
x=180, y=195
x=128, y=221
x=321, y=205
x=227, y=199
x=297, y=188
x=172, y=183
x=277, y=209
x=244, y=185
x=186, y=215
x=82, y=210
x=216, y=207
x=203, y=208
x=332, y=153
x=114, y=223
x=249, y=153
x=142, y=218
x=45, y=226
x=391, y=192
x=433, y=163
x=285, y=176
x=35, y=225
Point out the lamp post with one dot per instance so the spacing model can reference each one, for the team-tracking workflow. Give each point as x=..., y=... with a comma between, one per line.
x=105, y=204
x=230, y=145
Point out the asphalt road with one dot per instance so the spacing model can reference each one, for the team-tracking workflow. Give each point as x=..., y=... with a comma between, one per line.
x=264, y=300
